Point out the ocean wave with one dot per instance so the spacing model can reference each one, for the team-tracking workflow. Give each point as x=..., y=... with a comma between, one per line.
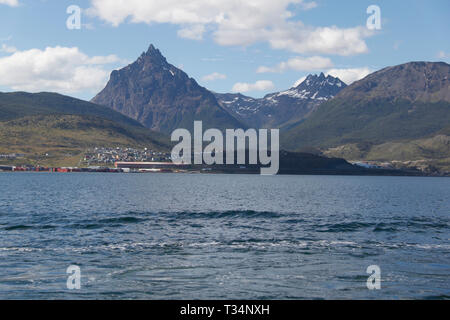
x=395, y=226
x=248, y=244
x=141, y=217
x=248, y=214
x=18, y=227
x=342, y=227
x=124, y=220
x=318, y=224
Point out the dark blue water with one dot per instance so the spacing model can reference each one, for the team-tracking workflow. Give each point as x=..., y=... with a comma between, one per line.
x=176, y=236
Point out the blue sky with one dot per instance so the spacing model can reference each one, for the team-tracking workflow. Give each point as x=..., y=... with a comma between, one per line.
x=254, y=47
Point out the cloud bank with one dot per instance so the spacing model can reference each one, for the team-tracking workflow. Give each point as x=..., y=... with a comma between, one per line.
x=350, y=75
x=7, y=49
x=238, y=23
x=12, y=3
x=59, y=69
x=299, y=64
x=260, y=85
x=214, y=76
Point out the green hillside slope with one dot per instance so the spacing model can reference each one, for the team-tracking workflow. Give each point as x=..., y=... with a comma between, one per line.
x=343, y=121
x=399, y=113
x=20, y=104
x=61, y=140
x=62, y=128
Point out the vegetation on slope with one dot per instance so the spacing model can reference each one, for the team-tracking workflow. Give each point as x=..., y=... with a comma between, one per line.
x=51, y=129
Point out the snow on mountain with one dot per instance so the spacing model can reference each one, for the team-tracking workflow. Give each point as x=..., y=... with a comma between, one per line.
x=279, y=108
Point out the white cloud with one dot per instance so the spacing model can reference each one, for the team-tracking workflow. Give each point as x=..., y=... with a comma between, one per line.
x=299, y=64
x=237, y=22
x=12, y=3
x=349, y=75
x=59, y=69
x=112, y=58
x=214, y=76
x=7, y=49
x=295, y=37
x=260, y=85
x=194, y=32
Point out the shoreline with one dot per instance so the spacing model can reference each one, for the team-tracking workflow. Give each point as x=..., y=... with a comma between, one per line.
x=367, y=172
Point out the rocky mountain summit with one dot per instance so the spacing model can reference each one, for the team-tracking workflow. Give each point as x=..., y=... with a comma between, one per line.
x=280, y=109
x=396, y=114
x=162, y=97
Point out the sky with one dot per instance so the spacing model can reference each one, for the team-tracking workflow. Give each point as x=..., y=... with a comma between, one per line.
x=254, y=46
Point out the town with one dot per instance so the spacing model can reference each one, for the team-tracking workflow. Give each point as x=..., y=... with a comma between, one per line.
x=98, y=159
x=109, y=156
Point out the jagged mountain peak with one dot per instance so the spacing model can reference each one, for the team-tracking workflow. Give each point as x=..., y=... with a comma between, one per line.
x=279, y=108
x=315, y=77
x=314, y=87
x=321, y=76
x=152, y=57
x=152, y=49
x=321, y=80
x=397, y=103
x=162, y=97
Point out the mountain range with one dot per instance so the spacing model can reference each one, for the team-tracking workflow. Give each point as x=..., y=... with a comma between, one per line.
x=408, y=101
x=162, y=97
x=64, y=127
x=281, y=109
x=54, y=130
x=400, y=114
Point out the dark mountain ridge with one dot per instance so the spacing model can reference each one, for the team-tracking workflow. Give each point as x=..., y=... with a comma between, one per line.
x=15, y=105
x=413, y=81
x=399, y=113
x=285, y=108
x=50, y=128
x=162, y=97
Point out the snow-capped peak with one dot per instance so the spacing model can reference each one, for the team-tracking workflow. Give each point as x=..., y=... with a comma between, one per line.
x=317, y=87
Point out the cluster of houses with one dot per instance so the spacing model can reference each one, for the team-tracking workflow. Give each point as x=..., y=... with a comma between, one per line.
x=110, y=156
x=99, y=159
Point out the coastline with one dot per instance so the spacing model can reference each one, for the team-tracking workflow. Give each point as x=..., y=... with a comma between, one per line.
x=228, y=171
